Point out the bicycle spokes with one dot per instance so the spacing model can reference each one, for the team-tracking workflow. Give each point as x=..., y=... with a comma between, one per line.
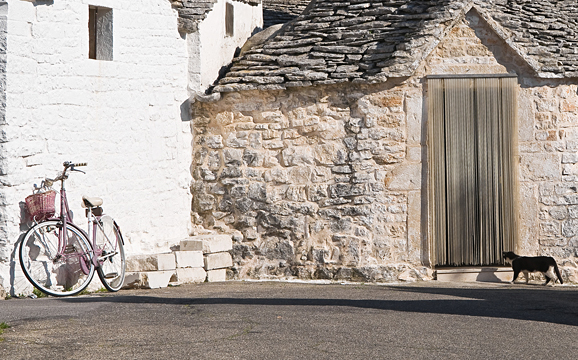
x=56, y=272
x=111, y=257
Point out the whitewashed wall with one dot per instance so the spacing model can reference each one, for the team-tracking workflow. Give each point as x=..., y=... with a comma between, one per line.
x=123, y=117
x=211, y=49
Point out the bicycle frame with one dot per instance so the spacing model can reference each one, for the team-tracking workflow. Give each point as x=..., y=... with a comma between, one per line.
x=65, y=218
x=55, y=252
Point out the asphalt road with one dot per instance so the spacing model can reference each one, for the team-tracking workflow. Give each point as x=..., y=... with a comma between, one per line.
x=274, y=320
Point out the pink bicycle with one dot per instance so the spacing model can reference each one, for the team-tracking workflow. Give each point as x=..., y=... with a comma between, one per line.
x=59, y=258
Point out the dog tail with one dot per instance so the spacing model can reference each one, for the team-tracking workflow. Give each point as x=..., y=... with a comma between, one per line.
x=558, y=273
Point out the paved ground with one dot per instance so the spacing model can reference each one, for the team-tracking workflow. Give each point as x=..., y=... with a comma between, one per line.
x=272, y=320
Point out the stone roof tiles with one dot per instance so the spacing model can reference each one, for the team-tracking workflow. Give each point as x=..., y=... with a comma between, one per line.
x=544, y=32
x=368, y=41
x=282, y=11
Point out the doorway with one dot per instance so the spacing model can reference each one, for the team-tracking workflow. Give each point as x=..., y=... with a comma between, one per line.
x=472, y=182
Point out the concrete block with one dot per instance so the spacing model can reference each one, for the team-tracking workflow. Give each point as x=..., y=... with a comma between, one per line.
x=191, y=275
x=218, y=261
x=217, y=275
x=189, y=259
x=157, y=279
x=154, y=262
x=147, y=279
x=166, y=262
x=191, y=245
x=215, y=243
x=483, y=274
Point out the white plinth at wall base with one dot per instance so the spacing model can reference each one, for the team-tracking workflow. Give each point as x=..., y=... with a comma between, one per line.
x=473, y=274
x=198, y=258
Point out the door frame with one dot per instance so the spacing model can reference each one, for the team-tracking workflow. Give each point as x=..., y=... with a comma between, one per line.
x=431, y=158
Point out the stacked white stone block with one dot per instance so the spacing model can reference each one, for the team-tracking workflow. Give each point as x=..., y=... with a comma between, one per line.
x=158, y=270
x=150, y=271
x=199, y=258
x=217, y=256
x=189, y=264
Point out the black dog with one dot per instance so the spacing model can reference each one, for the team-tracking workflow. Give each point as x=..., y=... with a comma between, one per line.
x=527, y=264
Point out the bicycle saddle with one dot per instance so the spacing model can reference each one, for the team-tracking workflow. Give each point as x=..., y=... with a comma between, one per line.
x=90, y=202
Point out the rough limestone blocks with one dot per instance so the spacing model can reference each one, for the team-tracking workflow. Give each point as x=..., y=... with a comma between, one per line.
x=217, y=275
x=191, y=245
x=218, y=261
x=190, y=267
x=154, y=262
x=148, y=279
x=189, y=259
x=191, y=275
x=215, y=243
x=217, y=257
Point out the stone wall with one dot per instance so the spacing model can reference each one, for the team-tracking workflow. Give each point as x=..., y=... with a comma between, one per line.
x=328, y=181
x=123, y=117
x=547, y=139
x=548, y=173
x=3, y=41
x=312, y=181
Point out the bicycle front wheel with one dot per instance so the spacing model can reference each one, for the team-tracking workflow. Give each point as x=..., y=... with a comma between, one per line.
x=53, y=269
x=110, y=250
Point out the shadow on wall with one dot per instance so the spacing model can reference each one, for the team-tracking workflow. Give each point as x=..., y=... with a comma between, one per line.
x=489, y=276
x=42, y=2
x=186, y=111
x=18, y=281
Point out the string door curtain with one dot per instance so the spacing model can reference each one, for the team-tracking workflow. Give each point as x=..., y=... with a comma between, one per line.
x=472, y=168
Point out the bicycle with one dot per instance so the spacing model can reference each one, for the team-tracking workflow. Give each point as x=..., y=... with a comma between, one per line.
x=59, y=258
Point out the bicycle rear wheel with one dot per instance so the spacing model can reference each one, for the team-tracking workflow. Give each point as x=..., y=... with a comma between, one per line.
x=109, y=246
x=54, y=271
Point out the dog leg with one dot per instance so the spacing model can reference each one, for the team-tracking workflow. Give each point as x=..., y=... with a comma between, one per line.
x=516, y=273
x=527, y=275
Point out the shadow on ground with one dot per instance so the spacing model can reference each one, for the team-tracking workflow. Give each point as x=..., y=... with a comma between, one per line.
x=529, y=303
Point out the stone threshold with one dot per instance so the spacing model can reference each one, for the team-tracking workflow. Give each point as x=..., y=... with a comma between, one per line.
x=475, y=273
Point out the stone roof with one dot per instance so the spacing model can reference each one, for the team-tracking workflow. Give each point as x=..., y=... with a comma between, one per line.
x=369, y=41
x=192, y=12
x=282, y=11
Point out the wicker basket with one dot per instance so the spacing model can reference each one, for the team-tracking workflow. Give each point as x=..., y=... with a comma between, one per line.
x=41, y=206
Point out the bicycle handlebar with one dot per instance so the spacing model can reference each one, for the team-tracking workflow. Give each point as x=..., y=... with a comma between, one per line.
x=70, y=164
x=67, y=165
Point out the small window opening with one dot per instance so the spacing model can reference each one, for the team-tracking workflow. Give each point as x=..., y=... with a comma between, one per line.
x=229, y=19
x=99, y=33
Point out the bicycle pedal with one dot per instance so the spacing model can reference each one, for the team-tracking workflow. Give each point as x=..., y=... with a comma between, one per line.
x=111, y=275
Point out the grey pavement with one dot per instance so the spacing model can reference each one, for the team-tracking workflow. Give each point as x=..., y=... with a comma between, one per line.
x=276, y=320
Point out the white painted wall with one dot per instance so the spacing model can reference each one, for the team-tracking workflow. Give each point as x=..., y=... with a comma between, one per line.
x=123, y=117
x=211, y=49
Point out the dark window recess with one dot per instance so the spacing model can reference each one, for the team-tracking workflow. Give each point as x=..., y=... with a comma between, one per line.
x=100, y=33
x=229, y=20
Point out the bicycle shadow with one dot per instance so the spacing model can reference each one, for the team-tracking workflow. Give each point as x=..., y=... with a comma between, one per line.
x=18, y=282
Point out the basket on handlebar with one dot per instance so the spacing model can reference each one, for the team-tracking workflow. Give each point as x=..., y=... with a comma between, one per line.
x=41, y=206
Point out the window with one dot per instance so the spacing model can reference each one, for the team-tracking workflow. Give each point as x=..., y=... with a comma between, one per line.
x=229, y=19
x=99, y=33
